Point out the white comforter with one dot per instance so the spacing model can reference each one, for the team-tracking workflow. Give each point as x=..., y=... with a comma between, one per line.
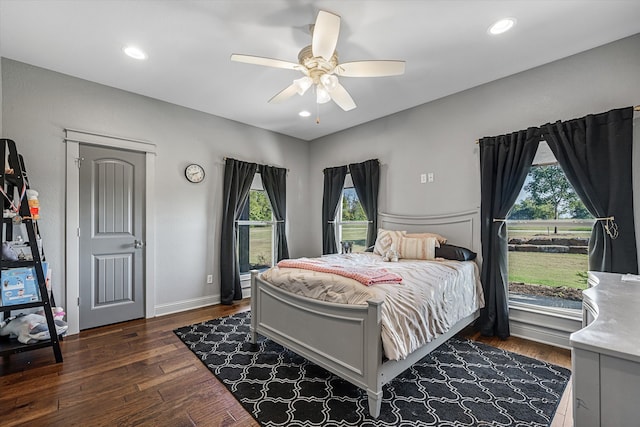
x=432, y=297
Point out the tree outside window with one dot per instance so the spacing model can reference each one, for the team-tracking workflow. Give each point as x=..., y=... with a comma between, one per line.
x=551, y=196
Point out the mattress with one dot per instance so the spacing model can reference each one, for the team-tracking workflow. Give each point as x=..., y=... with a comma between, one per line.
x=432, y=296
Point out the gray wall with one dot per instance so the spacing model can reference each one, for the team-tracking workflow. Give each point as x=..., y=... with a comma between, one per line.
x=39, y=104
x=439, y=137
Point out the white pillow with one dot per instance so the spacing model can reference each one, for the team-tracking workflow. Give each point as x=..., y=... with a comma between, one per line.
x=385, y=239
x=418, y=247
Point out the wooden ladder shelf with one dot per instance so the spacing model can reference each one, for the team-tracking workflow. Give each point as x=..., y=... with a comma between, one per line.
x=14, y=183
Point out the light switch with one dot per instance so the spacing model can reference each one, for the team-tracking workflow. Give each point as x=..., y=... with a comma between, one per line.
x=423, y=178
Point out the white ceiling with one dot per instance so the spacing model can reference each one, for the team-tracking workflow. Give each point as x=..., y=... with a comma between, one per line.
x=445, y=45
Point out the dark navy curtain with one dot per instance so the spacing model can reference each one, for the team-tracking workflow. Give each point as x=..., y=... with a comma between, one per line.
x=274, y=181
x=505, y=162
x=595, y=153
x=333, y=185
x=366, y=180
x=238, y=177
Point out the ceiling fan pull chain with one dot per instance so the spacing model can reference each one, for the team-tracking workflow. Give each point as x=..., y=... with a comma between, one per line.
x=317, y=113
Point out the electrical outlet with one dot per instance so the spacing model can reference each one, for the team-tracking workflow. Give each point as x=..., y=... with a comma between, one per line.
x=210, y=278
x=423, y=178
x=431, y=177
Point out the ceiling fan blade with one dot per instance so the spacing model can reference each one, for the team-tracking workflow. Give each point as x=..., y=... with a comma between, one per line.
x=325, y=34
x=370, y=68
x=267, y=62
x=284, y=94
x=341, y=97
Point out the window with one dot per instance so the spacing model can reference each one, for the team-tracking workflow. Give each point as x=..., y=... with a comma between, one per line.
x=256, y=230
x=351, y=220
x=548, y=230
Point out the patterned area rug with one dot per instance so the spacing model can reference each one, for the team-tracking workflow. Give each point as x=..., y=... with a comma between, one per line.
x=462, y=383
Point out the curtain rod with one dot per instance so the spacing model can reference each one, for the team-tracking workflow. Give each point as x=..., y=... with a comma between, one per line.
x=224, y=159
x=636, y=108
x=348, y=170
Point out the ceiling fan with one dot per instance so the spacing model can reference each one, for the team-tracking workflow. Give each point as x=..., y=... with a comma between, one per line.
x=319, y=64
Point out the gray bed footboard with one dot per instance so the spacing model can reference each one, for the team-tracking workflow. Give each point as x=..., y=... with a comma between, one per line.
x=344, y=339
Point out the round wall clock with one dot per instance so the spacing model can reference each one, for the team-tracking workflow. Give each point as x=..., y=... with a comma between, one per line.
x=194, y=173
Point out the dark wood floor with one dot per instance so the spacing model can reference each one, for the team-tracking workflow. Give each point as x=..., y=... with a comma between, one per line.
x=140, y=373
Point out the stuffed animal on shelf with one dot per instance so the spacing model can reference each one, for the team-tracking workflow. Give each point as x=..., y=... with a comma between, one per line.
x=8, y=253
x=30, y=328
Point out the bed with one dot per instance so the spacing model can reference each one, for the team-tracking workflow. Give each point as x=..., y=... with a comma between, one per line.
x=346, y=339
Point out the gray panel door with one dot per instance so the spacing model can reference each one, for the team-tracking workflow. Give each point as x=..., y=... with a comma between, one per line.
x=111, y=235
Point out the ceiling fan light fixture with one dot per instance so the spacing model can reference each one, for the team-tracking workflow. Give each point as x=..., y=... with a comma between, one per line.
x=322, y=96
x=302, y=84
x=329, y=81
x=319, y=64
x=502, y=26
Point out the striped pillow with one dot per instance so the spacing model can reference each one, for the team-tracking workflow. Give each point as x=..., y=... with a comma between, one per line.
x=418, y=248
x=385, y=239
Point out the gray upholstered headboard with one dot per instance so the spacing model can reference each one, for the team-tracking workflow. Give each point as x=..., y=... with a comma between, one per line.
x=460, y=228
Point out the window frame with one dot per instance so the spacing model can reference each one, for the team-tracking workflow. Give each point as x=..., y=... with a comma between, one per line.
x=348, y=184
x=544, y=157
x=256, y=185
x=549, y=325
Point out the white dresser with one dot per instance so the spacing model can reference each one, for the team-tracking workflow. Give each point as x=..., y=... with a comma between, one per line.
x=606, y=354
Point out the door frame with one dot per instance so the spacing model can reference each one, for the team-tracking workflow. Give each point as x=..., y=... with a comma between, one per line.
x=73, y=139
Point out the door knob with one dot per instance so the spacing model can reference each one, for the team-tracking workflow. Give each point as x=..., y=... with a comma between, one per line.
x=138, y=244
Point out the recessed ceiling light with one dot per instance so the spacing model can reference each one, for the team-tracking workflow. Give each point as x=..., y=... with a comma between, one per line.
x=134, y=52
x=304, y=113
x=502, y=26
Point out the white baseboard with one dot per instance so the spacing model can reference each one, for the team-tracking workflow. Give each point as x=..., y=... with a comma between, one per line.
x=176, y=307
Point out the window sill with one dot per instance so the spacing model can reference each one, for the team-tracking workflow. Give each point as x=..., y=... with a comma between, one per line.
x=548, y=325
x=563, y=313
